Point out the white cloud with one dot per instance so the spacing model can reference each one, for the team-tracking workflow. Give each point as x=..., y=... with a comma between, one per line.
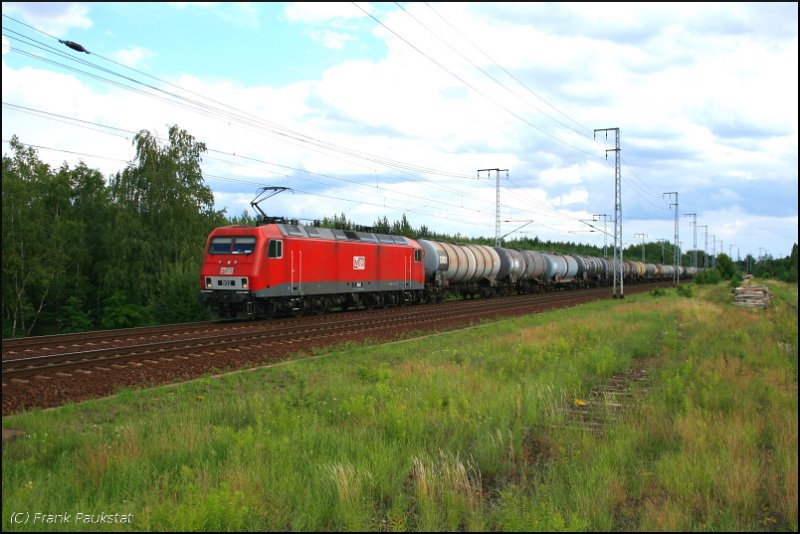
x=55, y=18
x=560, y=176
x=575, y=196
x=321, y=12
x=331, y=39
x=237, y=13
x=134, y=57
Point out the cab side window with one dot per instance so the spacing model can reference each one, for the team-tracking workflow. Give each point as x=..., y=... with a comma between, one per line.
x=417, y=254
x=275, y=248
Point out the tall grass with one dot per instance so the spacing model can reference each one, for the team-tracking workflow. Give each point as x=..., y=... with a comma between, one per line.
x=466, y=431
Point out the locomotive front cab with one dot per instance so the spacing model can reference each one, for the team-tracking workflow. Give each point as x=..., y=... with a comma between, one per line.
x=230, y=271
x=232, y=255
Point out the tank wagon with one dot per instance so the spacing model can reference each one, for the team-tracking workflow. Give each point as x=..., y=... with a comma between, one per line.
x=279, y=268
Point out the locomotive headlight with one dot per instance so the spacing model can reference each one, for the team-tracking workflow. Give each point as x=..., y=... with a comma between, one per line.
x=244, y=282
x=208, y=282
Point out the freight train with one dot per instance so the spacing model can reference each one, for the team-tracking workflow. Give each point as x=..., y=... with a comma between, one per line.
x=287, y=269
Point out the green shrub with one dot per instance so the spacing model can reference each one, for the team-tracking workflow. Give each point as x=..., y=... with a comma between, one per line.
x=119, y=312
x=75, y=319
x=736, y=279
x=711, y=276
x=684, y=290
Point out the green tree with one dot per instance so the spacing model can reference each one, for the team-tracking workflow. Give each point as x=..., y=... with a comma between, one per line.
x=29, y=269
x=340, y=222
x=381, y=226
x=402, y=227
x=725, y=266
x=119, y=312
x=74, y=317
x=245, y=219
x=175, y=299
x=54, y=230
x=163, y=215
x=91, y=212
x=791, y=267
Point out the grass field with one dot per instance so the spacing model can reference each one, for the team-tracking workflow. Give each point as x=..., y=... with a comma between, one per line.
x=657, y=412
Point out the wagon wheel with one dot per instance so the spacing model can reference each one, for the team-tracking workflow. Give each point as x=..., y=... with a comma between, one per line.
x=319, y=305
x=268, y=309
x=297, y=312
x=374, y=301
x=325, y=304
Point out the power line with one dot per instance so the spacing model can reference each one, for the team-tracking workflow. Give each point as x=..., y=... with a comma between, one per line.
x=358, y=193
x=460, y=79
x=206, y=110
x=235, y=114
x=246, y=119
x=89, y=124
x=68, y=151
x=587, y=129
x=634, y=186
x=501, y=84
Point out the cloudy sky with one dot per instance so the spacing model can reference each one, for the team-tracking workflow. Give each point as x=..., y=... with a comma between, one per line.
x=387, y=109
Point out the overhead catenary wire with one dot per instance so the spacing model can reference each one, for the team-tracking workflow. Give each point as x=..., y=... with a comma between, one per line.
x=511, y=75
x=438, y=186
x=90, y=125
x=125, y=77
x=234, y=114
x=635, y=186
x=431, y=205
x=639, y=191
x=184, y=104
x=469, y=85
x=481, y=69
x=398, y=209
x=203, y=107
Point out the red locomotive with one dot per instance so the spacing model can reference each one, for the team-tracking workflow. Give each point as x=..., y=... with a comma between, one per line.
x=283, y=268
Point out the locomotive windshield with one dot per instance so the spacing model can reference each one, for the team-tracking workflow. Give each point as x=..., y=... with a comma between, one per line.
x=232, y=245
x=244, y=245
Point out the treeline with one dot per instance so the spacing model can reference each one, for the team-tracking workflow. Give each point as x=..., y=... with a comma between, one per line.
x=779, y=268
x=726, y=268
x=81, y=254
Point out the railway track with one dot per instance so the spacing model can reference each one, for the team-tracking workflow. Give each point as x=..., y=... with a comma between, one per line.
x=26, y=346
x=207, y=346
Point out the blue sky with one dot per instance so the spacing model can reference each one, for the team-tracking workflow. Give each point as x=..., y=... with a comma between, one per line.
x=384, y=109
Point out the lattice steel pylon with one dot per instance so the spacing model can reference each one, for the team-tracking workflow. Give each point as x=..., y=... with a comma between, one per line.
x=677, y=252
x=705, y=248
x=694, y=239
x=497, y=203
x=618, y=287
